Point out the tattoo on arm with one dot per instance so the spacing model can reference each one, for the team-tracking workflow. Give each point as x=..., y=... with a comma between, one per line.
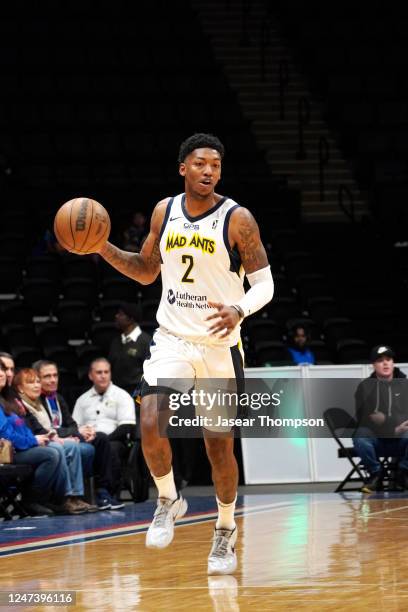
x=134, y=265
x=250, y=247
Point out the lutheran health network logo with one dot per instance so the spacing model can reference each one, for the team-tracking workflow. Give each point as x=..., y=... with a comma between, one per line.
x=187, y=300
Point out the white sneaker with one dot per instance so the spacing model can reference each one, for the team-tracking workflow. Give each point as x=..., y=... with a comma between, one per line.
x=161, y=530
x=222, y=558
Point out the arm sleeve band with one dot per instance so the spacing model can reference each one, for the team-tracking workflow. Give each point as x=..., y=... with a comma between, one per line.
x=260, y=292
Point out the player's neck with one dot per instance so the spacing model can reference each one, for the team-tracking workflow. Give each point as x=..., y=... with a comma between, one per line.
x=196, y=204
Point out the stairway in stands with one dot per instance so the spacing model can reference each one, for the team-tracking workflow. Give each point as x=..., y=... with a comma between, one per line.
x=237, y=49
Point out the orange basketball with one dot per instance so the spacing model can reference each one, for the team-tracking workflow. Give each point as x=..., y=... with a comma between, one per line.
x=82, y=226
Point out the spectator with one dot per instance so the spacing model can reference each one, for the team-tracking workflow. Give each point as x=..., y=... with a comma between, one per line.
x=299, y=352
x=28, y=387
x=108, y=408
x=128, y=352
x=63, y=422
x=49, y=476
x=134, y=235
x=8, y=363
x=382, y=417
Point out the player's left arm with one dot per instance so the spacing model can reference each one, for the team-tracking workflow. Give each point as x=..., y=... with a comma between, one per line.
x=243, y=232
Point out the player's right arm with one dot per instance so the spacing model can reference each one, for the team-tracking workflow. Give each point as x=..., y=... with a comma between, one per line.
x=143, y=267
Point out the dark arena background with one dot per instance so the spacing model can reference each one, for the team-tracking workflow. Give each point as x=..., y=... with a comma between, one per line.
x=311, y=103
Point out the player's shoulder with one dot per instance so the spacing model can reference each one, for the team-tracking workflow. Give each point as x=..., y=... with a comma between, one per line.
x=241, y=214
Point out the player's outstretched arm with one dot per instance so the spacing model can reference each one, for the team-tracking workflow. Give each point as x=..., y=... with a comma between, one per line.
x=143, y=267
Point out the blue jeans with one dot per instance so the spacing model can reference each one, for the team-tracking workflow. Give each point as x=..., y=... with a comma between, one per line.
x=87, y=457
x=369, y=448
x=71, y=466
x=48, y=476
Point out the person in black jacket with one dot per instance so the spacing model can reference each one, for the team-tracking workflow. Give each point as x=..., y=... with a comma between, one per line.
x=382, y=417
x=129, y=350
x=66, y=426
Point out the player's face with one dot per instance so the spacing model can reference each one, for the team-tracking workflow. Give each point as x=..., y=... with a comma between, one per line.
x=100, y=375
x=202, y=171
x=384, y=367
x=49, y=379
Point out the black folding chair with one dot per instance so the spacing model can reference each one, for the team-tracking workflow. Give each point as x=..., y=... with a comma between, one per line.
x=342, y=425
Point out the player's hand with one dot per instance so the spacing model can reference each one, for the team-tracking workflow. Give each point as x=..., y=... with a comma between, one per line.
x=225, y=319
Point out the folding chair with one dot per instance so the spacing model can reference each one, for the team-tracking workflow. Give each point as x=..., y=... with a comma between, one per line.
x=341, y=425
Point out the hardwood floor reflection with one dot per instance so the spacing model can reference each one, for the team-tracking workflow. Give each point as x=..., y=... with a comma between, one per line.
x=316, y=552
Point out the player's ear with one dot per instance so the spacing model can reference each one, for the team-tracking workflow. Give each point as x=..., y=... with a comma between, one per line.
x=182, y=169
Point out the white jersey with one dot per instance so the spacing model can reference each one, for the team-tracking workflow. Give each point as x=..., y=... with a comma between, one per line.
x=198, y=266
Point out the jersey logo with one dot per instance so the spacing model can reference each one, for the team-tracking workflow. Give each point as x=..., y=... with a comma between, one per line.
x=174, y=218
x=214, y=224
x=178, y=241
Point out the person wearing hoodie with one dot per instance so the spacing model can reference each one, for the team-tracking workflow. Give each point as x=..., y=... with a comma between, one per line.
x=382, y=418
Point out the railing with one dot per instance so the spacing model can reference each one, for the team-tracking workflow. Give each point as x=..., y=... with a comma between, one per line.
x=303, y=119
x=283, y=84
x=324, y=158
x=350, y=210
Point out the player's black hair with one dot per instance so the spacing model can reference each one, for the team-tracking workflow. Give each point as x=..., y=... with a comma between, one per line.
x=200, y=141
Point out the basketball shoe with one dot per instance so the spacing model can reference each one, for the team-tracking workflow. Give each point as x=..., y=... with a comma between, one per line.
x=161, y=530
x=222, y=558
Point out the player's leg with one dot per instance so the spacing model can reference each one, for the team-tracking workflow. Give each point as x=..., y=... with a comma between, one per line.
x=224, y=470
x=171, y=505
x=156, y=448
x=227, y=364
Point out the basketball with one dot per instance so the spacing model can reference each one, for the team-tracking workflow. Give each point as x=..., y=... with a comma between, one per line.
x=82, y=226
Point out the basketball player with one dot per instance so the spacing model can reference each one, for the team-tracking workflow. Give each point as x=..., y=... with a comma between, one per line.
x=203, y=244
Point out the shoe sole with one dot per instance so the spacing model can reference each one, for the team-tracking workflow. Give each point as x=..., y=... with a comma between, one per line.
x=226, y=573
x=180, y=514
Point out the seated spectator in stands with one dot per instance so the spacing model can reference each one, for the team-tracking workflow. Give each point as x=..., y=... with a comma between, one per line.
x=135, y=234
x=128, y=351
x=382, y=417
x=8, y=363
x=298, y=350
x=65, y=425
x=28, y=387
x=50, y=477
x=108, y=408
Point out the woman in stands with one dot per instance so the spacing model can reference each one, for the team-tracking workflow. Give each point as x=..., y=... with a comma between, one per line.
x=30, y=450
x=27, y=385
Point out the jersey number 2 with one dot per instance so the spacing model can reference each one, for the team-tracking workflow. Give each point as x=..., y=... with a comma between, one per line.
x=187, y=259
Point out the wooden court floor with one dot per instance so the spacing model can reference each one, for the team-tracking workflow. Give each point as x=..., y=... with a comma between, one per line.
x=307, y=552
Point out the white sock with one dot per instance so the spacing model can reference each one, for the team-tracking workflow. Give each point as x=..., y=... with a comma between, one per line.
x=165, y=485
x=225, y=518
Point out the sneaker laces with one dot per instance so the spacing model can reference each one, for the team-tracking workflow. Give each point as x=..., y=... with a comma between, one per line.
x=220, y=545
x=161, y=513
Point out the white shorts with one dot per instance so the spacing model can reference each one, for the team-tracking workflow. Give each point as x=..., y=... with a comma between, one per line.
x=177, y=365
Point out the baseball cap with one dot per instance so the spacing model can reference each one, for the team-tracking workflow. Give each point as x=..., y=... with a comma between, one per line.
x=381, y=350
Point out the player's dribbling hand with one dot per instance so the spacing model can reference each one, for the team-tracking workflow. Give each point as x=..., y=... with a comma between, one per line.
x=225, y=319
